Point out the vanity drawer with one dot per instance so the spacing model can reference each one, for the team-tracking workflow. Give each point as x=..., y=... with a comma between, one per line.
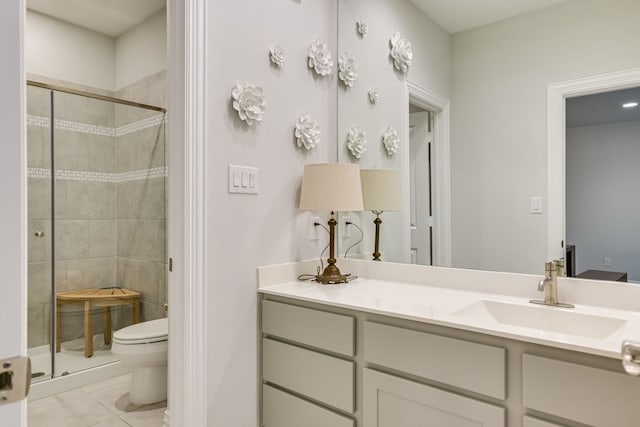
x=321, y=377
x=476, y=367
x=280, y=409
x=328, y=331
x=580, y=393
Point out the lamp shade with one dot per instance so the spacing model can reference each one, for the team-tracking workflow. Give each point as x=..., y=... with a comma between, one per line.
x=381, y=190
x=331, y=186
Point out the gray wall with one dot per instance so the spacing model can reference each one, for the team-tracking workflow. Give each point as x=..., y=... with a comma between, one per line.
x=245, y=231
x=141, y=208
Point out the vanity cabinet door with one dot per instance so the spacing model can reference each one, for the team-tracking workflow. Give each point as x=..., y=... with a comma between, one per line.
x=389, y=401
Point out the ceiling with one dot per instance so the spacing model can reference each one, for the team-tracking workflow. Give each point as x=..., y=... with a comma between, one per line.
x=109, y=17
x=114, y=17
x=603, y=108
x=460, y=15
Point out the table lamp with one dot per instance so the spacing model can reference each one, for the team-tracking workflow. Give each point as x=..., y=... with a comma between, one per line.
x=331, y=187
x=381, y=191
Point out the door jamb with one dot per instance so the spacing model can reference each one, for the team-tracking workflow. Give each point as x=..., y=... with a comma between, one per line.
x=441, y=176
x=557, y=93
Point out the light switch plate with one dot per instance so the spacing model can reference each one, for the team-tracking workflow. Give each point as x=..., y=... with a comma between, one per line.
x=535, y=205
x=243, y=179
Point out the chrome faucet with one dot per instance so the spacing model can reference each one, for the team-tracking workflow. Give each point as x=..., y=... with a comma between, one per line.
x=550, y=284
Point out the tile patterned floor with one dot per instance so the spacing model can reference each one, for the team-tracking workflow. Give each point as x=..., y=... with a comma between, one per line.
x=104, y=404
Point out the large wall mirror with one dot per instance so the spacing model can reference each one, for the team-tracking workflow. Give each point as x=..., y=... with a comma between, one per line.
x=471, y=116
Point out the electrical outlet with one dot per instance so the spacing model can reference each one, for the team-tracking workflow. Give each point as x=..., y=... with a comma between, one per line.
x=607, y=261
x=346, y=230
x=313, y=229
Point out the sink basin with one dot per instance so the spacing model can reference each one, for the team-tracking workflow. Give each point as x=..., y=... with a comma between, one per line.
x=544, y=319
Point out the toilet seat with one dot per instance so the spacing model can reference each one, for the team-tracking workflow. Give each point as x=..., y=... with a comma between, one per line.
x=143, y=333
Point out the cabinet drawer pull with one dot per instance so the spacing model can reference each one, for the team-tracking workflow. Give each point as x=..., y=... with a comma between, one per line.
x=631, y=358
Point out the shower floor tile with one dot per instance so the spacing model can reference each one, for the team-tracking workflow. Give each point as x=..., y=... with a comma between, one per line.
x=105, y=403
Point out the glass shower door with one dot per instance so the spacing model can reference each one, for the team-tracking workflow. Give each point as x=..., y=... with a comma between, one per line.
x=102, y=234
x=85, y=230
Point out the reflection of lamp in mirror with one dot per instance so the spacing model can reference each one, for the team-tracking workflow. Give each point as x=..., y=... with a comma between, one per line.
x=381, y=191
x=331, y=187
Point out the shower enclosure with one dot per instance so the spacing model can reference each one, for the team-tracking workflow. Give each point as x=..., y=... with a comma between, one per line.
x=96, y=221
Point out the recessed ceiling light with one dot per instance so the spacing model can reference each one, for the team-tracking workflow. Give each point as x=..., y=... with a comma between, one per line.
x=630, y=104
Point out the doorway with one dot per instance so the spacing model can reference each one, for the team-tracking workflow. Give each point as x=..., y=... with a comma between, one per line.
x=420, y=179
x=426, y=177
x=96, y=224
x=601, y=176
x=186, y=66
x=557, y=95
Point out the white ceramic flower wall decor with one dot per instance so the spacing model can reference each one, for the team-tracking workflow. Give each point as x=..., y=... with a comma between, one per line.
x=391, y=140
x=249, y=101
x=277, y=55
x=357, y=142
x=320, y=58
x=307, y=132
x=347, y=69
x=401, y=52
x=374, y=95
x=362, y=28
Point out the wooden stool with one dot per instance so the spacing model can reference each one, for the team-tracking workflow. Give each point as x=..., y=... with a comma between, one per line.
x=106, y=298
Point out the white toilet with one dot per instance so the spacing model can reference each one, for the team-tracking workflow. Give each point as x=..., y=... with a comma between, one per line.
x=143, y=349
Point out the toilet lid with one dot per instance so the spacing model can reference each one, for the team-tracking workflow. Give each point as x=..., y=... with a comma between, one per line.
x=145, y=332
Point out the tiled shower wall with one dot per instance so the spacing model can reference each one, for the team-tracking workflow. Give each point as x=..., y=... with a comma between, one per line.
x=110, y=204
x=141, y=207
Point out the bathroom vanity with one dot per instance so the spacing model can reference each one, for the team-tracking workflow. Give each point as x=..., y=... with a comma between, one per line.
x=443, y=347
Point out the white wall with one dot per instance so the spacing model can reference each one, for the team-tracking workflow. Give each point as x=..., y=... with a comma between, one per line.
x=603, y=200
x=498, y=148
x=141, y=51
x=59, y=50
x=246, y=231
x=431, y=68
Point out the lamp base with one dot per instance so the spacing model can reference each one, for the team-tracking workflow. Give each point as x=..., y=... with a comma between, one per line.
x=377, y=222
x=331, y=276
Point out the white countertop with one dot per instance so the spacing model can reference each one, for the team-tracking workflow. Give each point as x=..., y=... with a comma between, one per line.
x=454, y=298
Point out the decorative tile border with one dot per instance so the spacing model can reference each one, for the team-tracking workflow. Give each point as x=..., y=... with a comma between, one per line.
x=72, y=175
x=40, y=121
x=38, y=173
x=145, y=123
x=84, y=128
x=159, y=172
x=69, y=125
